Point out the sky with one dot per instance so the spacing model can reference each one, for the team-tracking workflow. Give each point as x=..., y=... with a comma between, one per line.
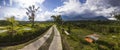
x=69, y=9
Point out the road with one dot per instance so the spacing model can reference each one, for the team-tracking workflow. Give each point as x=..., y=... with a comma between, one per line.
x=55, y=44
x=38, y=43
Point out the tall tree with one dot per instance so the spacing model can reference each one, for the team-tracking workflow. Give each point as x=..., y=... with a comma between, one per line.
x=117, y=17
x=54, y=18
x=31, y=12
x=57, y=19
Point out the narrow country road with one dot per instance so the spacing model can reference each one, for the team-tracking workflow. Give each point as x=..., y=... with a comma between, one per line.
x=56, y=43
x=38, y=43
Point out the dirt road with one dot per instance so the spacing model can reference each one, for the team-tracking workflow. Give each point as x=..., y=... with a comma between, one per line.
x=55, y=44
x=38, y=43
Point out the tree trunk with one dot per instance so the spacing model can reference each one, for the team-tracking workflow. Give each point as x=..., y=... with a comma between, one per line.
x=33, y=23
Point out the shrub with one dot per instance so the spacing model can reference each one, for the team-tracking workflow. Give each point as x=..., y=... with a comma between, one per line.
x=22, y=36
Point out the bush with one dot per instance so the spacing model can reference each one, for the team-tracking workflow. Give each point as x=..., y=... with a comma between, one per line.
x=22, y=36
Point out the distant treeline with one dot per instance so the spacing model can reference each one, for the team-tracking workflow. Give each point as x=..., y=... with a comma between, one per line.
x=97, y=26
x=5, y=23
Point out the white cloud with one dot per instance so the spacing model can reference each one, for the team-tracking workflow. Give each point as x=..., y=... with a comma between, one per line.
x=11, y=2
x=4, y=3
x=44, y=16
x=26, y=3
x=112, y=18
x=91, y=8
x=8, y=12
x=70, y=6
x=20, y=12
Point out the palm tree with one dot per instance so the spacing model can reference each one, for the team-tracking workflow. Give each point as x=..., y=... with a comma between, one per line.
x=13, y=23
x=31, y=12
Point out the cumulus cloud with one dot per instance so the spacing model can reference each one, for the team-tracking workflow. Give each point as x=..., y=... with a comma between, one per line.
x=44, y=16
x=19, y=10
x=71, y=8
x=26, y=3
x=8, y=12
x=115, y=3
x=68, y=6
x=4, y=3
x=11, y=2
x=20, y=14
x=90, y=9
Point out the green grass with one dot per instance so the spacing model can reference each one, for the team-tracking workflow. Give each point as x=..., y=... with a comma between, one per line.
x=16, y=47
x=77, y=42
x=21, y=32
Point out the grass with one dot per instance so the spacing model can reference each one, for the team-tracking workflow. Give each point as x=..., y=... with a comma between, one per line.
x=2, y=27
x=16, y=47
x=75, y=37
x=106, y=42
x=20, y=30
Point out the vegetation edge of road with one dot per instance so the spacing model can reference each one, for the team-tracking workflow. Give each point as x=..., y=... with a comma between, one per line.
x=16, y=47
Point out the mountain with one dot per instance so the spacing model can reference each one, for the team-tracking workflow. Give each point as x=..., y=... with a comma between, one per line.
x=99, y=18
x=75, y=18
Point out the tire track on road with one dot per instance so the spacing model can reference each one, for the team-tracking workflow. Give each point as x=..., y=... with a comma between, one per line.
x=46, y=45
x=56, y=43
x=38, y=43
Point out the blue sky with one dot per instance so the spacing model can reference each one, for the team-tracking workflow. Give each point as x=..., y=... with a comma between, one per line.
x=52, y=4
x=78, y=8
x=82, y=1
